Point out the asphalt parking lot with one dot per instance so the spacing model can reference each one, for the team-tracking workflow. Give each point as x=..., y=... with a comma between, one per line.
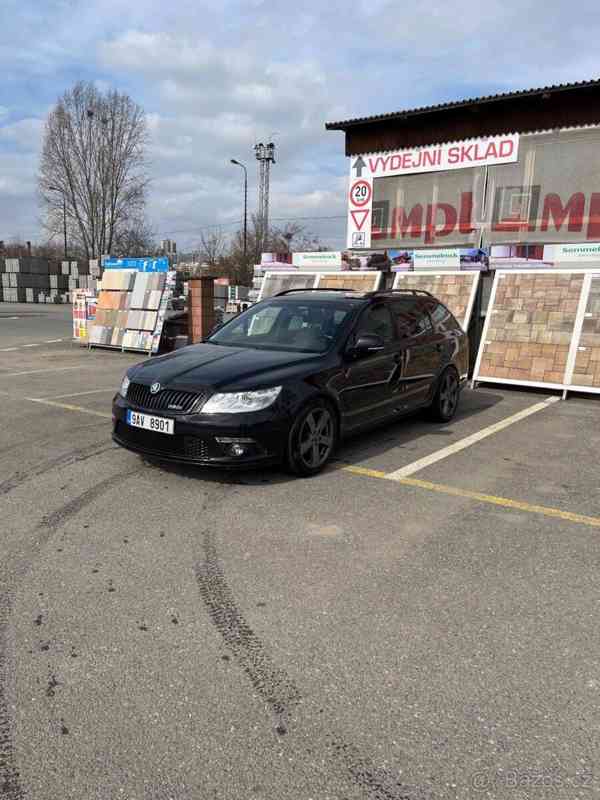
x=418, y=621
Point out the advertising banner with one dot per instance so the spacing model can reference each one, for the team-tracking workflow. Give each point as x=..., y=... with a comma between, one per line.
x=316, y=260
x=139, y=264
x=442, y=157
x=437, y=259
x=577, y=253
x=540, y=188
x=450, y=259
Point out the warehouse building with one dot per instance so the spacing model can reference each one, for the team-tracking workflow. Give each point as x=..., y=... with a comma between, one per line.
x=515, y=177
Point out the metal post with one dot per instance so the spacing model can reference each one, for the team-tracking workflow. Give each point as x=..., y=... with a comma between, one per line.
x=239, y=164
x=245, y=218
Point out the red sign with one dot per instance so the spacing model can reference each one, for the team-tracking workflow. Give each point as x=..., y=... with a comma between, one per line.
x=360, y=193
x=359, y=217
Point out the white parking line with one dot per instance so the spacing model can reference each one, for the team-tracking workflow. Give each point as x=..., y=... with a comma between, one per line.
x=427, y=461
x=68, y=407
x=35, y=344
x=51, y=369
x=78, y=394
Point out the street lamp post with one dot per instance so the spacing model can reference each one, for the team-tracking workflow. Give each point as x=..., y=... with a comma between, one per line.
x=56, y=189
x=239, y=164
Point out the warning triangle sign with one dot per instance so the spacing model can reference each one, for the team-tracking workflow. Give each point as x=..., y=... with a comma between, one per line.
x=359, y=217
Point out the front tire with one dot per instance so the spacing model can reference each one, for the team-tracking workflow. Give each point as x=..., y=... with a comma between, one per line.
x=312, y=440
x=445, y=401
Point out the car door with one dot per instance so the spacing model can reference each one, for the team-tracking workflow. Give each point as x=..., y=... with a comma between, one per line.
x=421, y=350
x=365, y=390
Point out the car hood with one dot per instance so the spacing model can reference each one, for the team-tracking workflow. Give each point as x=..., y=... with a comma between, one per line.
x=209, y=365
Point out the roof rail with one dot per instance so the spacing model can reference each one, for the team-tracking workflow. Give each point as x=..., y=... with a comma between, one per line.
x=315, y=289
x=407, y=291
x=370, y=293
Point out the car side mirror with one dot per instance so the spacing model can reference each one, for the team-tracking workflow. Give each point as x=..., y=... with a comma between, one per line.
x=366, y=344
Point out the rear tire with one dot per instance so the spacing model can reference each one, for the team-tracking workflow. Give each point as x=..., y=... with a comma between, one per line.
x=445, y=401
x=312, y=440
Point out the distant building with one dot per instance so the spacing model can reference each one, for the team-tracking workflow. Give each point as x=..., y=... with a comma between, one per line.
x=168, y=247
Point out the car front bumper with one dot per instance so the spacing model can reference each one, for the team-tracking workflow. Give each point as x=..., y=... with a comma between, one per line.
x=262, y=434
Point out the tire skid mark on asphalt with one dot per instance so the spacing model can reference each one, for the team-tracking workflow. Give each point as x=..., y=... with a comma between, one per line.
x=57, y=518
x=71, y=457
x=270, y=681
x=10, y=781
x=41, y=443
x=275, y=686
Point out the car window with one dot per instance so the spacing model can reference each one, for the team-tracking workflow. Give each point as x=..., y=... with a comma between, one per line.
x=377, y=320
x=442, y=318
x=263, y=321
x=305, y=326
x=411, y=318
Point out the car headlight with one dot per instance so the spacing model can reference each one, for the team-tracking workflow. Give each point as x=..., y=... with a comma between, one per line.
x=124, y=386
x=237, y=402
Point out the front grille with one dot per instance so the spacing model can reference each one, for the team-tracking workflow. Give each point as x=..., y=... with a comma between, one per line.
x=177, y=445
x=173, y=400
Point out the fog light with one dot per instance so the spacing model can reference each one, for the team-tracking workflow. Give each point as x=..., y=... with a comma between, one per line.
x=236, y=445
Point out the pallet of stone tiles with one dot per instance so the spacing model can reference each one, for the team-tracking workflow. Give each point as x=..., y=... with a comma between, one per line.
x=457, y=290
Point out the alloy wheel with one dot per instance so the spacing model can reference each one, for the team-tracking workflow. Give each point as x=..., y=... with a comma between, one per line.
x=315, y=438
x=449, y=394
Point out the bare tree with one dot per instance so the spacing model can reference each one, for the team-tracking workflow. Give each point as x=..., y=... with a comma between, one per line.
x=92, y=167
x=212, y=247
x=138, y=239
x=278, y=240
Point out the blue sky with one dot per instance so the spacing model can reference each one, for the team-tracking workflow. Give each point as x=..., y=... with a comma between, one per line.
x=216, y=78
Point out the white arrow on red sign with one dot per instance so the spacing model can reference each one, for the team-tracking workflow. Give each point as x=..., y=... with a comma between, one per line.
x=359, y=217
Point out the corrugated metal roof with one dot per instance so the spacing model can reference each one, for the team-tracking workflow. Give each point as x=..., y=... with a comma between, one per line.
x=473, y=101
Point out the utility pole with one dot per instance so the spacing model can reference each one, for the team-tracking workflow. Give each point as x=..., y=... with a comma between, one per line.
x=265, y=155
x=239, y=164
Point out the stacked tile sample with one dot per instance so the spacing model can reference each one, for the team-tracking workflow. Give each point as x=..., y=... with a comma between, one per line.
x=39, y=280
x=530, y=327
x=455, y=290
x=127, y=313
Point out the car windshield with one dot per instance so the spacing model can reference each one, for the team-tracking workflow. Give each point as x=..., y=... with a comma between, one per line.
x=304, y=326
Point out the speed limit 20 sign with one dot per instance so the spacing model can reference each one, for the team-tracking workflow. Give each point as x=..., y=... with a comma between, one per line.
x=360, y=193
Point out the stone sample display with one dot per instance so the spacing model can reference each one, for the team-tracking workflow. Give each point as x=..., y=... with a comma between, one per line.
x=456, y=290
x=530, y=327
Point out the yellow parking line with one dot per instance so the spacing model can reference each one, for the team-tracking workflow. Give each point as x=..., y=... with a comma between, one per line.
x=505, y=502
x=68, y=407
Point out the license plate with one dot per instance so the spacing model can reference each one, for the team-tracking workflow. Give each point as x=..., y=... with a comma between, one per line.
x=150, y=423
